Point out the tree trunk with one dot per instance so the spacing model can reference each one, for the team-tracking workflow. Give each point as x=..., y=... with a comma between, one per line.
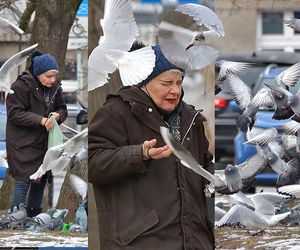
x=68, y=198
x=6, y=192
x=51, y=26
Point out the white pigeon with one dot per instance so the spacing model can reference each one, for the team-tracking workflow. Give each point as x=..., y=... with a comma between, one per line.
x=291, y=127
x=120, y=31
x=185, y=48
x=242, y=215
x=291, y=190
x=12, y=63
x=79, y=185
x=189, y=49
x=230, y=67
x=8, y=27
x=294, y=23
x=265, y=137
x=203, y=16
x=3, y=162
x=58, y=157
x=289, y=77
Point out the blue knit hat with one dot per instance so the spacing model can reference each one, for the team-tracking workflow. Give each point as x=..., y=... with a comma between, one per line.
x=43, y=64
x=162, y=64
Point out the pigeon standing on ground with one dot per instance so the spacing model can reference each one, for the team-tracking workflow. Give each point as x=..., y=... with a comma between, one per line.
x=120, y=31
x=57, y=222
x=262, y=217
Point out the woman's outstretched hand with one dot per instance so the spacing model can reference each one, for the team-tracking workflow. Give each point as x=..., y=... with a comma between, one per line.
x=150, y=152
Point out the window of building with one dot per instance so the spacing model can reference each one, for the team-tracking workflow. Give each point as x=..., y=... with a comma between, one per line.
x=272, y=23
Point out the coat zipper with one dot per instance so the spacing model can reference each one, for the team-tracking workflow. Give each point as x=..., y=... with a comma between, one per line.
x=52, y=98
x=191, y=124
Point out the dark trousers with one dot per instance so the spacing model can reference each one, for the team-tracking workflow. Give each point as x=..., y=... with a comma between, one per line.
x=34, y=190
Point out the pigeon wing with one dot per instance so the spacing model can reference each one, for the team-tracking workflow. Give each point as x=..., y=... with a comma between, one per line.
x=79, y=185
x=265, y=137
x=242, y=215
x=99, y=66
x=119, y=26
x=289, y=77
x=174, y=40
x=135, y=66
x=241, y=92
x=6, y=25
x=203, y=16
x=252, y=165
x=184, y=155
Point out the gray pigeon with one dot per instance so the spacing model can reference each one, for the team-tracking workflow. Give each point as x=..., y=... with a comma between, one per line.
x=57, y=222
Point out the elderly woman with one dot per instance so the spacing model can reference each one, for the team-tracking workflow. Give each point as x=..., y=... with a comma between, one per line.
x=37, y=93
x=145, y=198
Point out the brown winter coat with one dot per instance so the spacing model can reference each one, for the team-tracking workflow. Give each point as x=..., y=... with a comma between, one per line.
x=153, y=204
x=26, y=139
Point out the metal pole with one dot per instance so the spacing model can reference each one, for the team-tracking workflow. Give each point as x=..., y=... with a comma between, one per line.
x=79, y=79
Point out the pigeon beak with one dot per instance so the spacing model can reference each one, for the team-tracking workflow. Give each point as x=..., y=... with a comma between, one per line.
x=189, y=46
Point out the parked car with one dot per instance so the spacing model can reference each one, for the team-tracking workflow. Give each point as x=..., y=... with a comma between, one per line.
x=226, y=110
x=263, y=121
x=3, y=169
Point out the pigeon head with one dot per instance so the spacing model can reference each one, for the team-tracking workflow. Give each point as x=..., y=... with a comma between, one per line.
x=196, y=40
x=231, y=170
x=271, y=157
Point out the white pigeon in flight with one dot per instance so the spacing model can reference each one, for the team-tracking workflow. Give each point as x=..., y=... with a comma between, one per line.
x=8, y=27
x=120, y=31
x=12, y=63
x=58, y=157
x=189, y=49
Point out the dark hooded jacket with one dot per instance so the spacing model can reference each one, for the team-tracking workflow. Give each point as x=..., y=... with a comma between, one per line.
x=26, y=139
x=152, y=204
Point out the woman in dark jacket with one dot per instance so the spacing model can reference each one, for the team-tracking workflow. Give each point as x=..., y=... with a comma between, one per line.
x=145, y=198
x=37, y=93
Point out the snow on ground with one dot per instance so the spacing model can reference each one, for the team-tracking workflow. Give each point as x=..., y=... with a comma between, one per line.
x=20, y=238
x=275, y=238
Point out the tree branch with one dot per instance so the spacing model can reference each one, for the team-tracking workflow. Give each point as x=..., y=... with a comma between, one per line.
x=25, y=19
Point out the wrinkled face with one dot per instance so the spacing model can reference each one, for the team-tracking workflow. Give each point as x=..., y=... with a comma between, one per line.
x=165, y=89
x=48, y=78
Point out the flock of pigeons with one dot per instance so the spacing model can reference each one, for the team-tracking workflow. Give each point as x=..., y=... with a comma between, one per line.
x=278, y=150
x=53, y=219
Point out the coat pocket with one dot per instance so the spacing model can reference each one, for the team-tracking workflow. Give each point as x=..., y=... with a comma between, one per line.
x=138, y=227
